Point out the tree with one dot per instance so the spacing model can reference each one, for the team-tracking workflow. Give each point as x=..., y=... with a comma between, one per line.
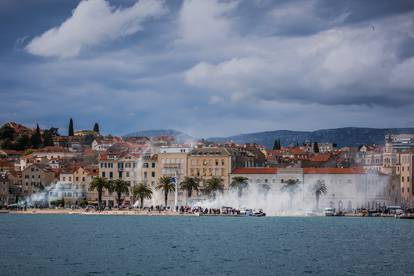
x=48, y=138
x=319, y=188
x=276, y=145
x=7, y=132
x=214, y=184
x=189, y=184
x=142, y=191
x=99, y=184
x=120, y=187
x=71, y=132
x=240, y=183
x=22, y=142
x=291, y=187
x=315, y=147
x=167, y=185
x=36, y=138
x=96, y=128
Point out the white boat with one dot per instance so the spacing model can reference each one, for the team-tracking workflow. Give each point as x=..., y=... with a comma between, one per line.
x=246, y=212
x=329, y=212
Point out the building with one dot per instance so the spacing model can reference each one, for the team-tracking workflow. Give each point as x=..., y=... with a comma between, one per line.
x=207, y=162
x=36, y=177
x=125, y=166
x=70, y=193
x=404, y=170
x=53, y=153
x=347, y=188
x=172, y=161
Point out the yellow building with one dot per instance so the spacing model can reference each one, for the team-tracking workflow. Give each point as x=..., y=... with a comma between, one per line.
x=208, y=162
x=405, y=172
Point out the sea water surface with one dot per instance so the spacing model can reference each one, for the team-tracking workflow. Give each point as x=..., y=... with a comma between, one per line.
x=139, y=245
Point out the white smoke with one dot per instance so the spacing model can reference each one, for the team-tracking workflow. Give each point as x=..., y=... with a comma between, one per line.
x=363, y=191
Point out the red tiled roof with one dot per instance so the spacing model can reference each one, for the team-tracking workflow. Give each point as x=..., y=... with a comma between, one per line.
x=356, y=170
x=320, y=157
x=255, y=171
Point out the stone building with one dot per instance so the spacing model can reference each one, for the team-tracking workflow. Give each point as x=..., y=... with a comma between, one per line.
x=36, y=177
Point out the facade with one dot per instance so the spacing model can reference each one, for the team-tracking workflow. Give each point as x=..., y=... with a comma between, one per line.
x=67, y=191
x=53, y=153
x=208, y=162
x=4, y=190
x=123, y=166
x=172, y=161
x=35, y=178
x=405, y=172
x=348, y=188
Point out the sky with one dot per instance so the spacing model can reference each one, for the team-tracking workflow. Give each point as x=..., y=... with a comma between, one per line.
x=208, y=68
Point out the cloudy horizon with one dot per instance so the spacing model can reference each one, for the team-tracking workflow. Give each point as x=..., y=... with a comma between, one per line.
x=207, y=68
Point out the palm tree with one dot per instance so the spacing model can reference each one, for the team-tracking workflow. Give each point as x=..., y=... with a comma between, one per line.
x=189, y=184
x=240, y=183
x=319, y=188
x=120, y=187
x=142, y=191
x=291, y=186
x=167, y=185
x=214, y=184
x=99, y=184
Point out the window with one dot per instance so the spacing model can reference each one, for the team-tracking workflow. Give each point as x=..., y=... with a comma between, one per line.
x=111, y=174
x=103, y=174
x=120, y=174
x=77, y=178
x=145, y=165
x=145, y=174
x=83, y=178
x=153, y=165
x=153, y=174
x=127, y=174
x=402, y=179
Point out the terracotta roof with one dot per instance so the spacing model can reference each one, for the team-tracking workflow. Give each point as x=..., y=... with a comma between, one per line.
x=7, y=164
x=322, y=157
x=356, y=170
x=255, y=171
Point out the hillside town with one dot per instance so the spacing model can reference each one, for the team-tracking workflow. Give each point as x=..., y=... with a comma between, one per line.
x=85, y=168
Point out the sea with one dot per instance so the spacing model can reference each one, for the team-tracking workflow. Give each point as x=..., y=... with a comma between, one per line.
x=168, y=245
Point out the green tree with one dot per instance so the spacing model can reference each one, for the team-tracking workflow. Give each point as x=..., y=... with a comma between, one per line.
x=96, y=128
x=291, y=187
x=319, y=188
x=48, y=138
x=142, y=192
x=315, y=147
x=120, y=187
x=100, y=184
x=36, y=138
x=23, y=142
x=240, y=183
x=71, y=131
x=7, y=132
x=167, y=185
x=213, y=185
x=190, y=184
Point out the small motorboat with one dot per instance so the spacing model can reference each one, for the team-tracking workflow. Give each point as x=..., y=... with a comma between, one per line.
x=329, y=212
x=260, y=213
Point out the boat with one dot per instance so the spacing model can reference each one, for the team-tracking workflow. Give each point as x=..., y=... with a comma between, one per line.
x=246, y=212
x=4, y=211
x=406, y=216
x=260, y=213
x=329, y=212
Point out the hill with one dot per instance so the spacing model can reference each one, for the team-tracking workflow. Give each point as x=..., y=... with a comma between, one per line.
x=348, y=136
x=180, y=137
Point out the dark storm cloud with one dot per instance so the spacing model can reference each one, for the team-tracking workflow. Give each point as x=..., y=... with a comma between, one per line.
x=209, y=67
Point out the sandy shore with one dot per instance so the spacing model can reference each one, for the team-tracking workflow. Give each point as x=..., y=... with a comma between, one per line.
x=95, y=213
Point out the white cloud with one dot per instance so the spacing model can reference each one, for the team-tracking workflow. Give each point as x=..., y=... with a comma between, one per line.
x=205, y=22
x=347, y=65
x=93, y=22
